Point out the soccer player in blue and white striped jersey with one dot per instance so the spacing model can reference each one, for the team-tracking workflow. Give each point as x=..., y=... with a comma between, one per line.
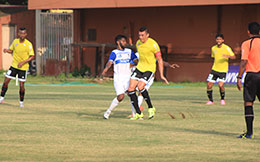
x=121, y=58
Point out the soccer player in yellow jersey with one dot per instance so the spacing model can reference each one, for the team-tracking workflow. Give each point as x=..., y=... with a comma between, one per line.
x=221, y=54
x=148, y=51
x=22, y=51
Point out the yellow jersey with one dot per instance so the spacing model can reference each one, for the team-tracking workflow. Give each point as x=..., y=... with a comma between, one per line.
x=21, y=52
x=220, y=62
x=147, y=52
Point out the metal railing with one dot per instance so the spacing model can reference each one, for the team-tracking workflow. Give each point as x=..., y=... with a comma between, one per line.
x=55, y=38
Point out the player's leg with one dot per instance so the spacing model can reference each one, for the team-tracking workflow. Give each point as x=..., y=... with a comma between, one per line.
x=221, y=81
x=211, y=80
x=132, y=95
x=21, y=93
x=209, y=93
x=222, y=92
x=141, y=87
x=22, y=75
x=132, y=90
x=11, y=74
x=4, y=89
x=140, y=97
x=249, y=94
x=120, y=91
x=113, y=105
x=140, y=101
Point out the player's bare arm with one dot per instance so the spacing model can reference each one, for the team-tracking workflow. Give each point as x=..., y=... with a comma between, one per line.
x=135, y=61
x=26, y=61
x=8, y=51
x=241, y=71
x=108, y=65
x=228, y=56
x=167, y=64
x=160, y=64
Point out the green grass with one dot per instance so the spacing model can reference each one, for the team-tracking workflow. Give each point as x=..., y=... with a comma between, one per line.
x=65, y=123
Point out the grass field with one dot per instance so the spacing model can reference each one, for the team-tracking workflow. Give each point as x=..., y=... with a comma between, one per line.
x=65, y=123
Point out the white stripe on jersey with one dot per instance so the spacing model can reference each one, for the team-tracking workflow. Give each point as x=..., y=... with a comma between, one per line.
x=122, y=62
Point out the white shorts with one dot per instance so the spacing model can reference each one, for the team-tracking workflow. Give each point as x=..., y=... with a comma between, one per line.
x=149, y=84
x=121, y=85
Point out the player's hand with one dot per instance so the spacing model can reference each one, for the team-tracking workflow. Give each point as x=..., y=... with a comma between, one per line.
x=5, y=50
x=20, y=64
x=103, y=73
x=239, y=84
x=174, y=66
x=164, y=79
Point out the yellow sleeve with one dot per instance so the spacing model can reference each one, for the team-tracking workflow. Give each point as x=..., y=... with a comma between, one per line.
x=231, y=53
x=31, y=52
x=212, y=52
x=156, y=47
x=12, y=45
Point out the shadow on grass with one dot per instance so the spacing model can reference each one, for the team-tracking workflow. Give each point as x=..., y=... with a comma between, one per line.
x=115, y=114
x=8, y=105
x=212, y=132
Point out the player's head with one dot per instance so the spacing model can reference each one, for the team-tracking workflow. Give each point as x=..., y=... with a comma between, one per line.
x=253, y=28
x=120, y=41
x=143, y=34
x=22, y=33
x=219, y=39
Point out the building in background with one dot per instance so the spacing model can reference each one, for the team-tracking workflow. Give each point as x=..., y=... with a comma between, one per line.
x=186, y=28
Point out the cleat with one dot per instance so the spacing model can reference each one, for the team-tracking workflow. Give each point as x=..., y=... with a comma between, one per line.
x=21, y=105
x=137, y=117
x=107, y=114
x=210, y=103
x=151, y=112
x=2, y=100
x=222, y=102
x=245, y=136
x=141, y=109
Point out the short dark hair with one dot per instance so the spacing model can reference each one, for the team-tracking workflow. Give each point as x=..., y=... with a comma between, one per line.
x=119, y=37
x=143, y=28
x=253, y=28
x=22, y=28
x=220, y=35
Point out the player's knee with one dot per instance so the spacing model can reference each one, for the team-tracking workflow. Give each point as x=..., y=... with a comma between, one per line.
x=131, y=88
x=248, y=103
x=5, y=85
x=209, y=86
x=22, y=88
x=249, y=110
x=120, y=97
x=140, y=87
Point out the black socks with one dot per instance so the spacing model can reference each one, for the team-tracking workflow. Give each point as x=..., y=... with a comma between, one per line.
x=146, y=96
x=209, y=93
x=134, y=101
x=249, y=117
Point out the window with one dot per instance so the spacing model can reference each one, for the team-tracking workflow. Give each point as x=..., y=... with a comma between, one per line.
x=92, y=35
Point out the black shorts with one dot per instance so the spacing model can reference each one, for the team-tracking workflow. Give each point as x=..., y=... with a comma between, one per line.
x=216, y=76
x=251, y=87
x=12, y=72
x=142, y=76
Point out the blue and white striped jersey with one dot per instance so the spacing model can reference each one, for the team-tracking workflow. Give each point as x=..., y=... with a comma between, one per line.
x=121, y=60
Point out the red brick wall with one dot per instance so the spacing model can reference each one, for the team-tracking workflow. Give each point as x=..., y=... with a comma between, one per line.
x=23, y=19
x=185, y=30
